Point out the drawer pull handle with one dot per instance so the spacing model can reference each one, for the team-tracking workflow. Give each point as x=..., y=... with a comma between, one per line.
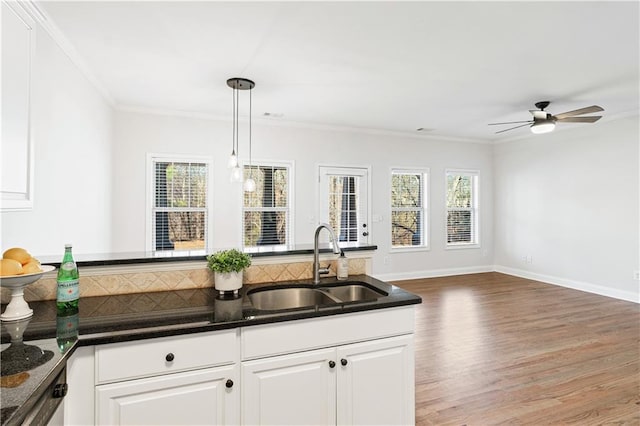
x=60, y=390
x=170, y=357
x=344, y=361
x=229, y=383
x=332, y=364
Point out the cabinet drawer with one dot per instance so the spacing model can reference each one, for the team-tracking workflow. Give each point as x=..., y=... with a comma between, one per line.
x=128, y=360
x=295, y=336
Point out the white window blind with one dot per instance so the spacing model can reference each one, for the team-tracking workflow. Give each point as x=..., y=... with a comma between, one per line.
x=408, y=209
x=462, y=208
x=180, y=205
x=344, y=204
x=266, y=211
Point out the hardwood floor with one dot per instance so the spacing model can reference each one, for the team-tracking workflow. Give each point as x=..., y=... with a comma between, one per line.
x=497, y=349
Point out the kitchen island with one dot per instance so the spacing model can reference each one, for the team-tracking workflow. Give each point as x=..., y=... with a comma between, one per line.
x=221, y=346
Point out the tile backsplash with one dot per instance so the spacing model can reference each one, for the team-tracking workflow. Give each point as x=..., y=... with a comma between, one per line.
x=149, y=281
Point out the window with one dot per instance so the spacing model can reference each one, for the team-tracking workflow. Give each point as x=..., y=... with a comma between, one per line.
x=343, y=203
x=462, y=208
x=179, y=204
x=408, y=208
x=266, y=211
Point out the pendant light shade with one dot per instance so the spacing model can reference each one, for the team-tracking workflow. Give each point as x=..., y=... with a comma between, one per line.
x=249, y=185
x=238, y=84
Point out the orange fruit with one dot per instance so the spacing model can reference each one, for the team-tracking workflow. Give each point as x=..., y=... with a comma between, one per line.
x=17, y=253
x=10, y=267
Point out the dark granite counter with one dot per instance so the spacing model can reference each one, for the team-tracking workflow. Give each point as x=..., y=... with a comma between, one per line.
x=111, y=319
x=107, y=259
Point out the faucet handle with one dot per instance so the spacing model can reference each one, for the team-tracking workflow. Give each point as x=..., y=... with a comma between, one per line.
x=325, y=270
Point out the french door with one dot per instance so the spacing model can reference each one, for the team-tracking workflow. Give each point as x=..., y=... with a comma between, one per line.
x=344, y=203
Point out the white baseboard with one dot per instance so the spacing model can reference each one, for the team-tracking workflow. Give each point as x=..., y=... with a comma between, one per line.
x=563, y=282
x=576, y=285
x=432, y=273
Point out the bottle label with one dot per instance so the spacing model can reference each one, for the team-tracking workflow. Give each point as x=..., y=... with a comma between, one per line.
x=68, y=291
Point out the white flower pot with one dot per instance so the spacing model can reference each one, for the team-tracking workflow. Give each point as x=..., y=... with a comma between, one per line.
x=229, y=281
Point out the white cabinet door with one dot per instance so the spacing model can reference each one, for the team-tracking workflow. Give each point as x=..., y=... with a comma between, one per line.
x=376, y=382
x=18, y=44
x=191, y=398
x=295, y=389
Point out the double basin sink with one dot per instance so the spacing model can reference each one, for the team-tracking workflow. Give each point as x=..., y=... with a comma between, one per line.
x=294, y=296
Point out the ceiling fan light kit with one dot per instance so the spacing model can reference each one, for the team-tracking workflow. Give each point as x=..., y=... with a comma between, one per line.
x=543, y=126
x=543, y=122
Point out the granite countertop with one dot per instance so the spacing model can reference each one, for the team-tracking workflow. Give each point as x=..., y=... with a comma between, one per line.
x=111, y=319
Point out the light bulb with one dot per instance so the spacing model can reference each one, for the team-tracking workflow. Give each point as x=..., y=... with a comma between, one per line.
x=249, y=185
x=236, y=174
x=233, y=160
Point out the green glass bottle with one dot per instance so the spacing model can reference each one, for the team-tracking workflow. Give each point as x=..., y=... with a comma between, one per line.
x=68, y=293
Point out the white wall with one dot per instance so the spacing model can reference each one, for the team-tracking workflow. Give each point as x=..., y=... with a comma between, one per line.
x=137, y=134
x=569, y=201
x=71, y=125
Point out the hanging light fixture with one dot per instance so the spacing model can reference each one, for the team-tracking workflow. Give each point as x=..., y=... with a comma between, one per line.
x=250, y=184
x=238, y=84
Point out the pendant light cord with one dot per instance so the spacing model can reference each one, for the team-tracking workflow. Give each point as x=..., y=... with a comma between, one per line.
x=250, y=162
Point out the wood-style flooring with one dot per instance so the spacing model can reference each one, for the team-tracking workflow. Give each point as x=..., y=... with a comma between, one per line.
x=497, y=349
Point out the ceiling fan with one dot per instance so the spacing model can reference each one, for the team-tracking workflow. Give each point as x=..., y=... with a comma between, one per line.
x=543, y=122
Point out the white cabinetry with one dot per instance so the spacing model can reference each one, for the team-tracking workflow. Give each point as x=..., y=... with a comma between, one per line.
x=352, y=369
x=376, y=382
x=199, y=397
x=366, y=383
x=16, y=149
x=191, y=379
x=295, y=389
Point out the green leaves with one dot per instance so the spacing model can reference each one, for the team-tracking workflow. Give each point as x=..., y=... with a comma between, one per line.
x=228, y=261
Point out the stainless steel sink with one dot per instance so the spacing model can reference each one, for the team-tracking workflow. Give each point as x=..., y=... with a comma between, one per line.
x=280, y=298
x=274, y=299
x=353, y=293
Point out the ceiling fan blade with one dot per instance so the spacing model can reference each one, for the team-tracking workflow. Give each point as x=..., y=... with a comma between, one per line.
x=590, y=119
x=517, y=127
x=510, y=122
x=538, y=114
x=586, y=110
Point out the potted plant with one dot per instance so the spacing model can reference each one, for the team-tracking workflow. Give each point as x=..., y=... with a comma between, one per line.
x=227, y=266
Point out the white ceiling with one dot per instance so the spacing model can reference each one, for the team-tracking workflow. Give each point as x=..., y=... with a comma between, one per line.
x=451, y=67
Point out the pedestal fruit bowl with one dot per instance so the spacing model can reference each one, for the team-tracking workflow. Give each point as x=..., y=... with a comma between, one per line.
x=18, y=308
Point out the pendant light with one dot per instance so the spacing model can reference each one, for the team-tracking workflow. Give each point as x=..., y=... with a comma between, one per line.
x=238, y=84
x=249, y=184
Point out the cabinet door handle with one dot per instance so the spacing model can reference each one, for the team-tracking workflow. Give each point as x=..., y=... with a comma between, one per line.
x=229, y=383
x=344, y=361
x=332, y=364
x=170, y=357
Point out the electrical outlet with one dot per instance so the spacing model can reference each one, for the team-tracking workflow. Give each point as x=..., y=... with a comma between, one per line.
x=387, y=260
x=636, y=275
x=529, y=259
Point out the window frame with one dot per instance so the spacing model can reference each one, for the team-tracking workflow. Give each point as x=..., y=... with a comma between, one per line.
x=290, y=165
x=150, y=237
x=424, y=209
x=474, y=209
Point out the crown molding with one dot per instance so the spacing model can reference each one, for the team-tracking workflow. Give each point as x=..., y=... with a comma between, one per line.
x=45, y=21
x=298, y=124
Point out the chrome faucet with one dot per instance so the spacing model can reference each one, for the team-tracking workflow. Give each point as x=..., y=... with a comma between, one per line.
x=317, y=270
